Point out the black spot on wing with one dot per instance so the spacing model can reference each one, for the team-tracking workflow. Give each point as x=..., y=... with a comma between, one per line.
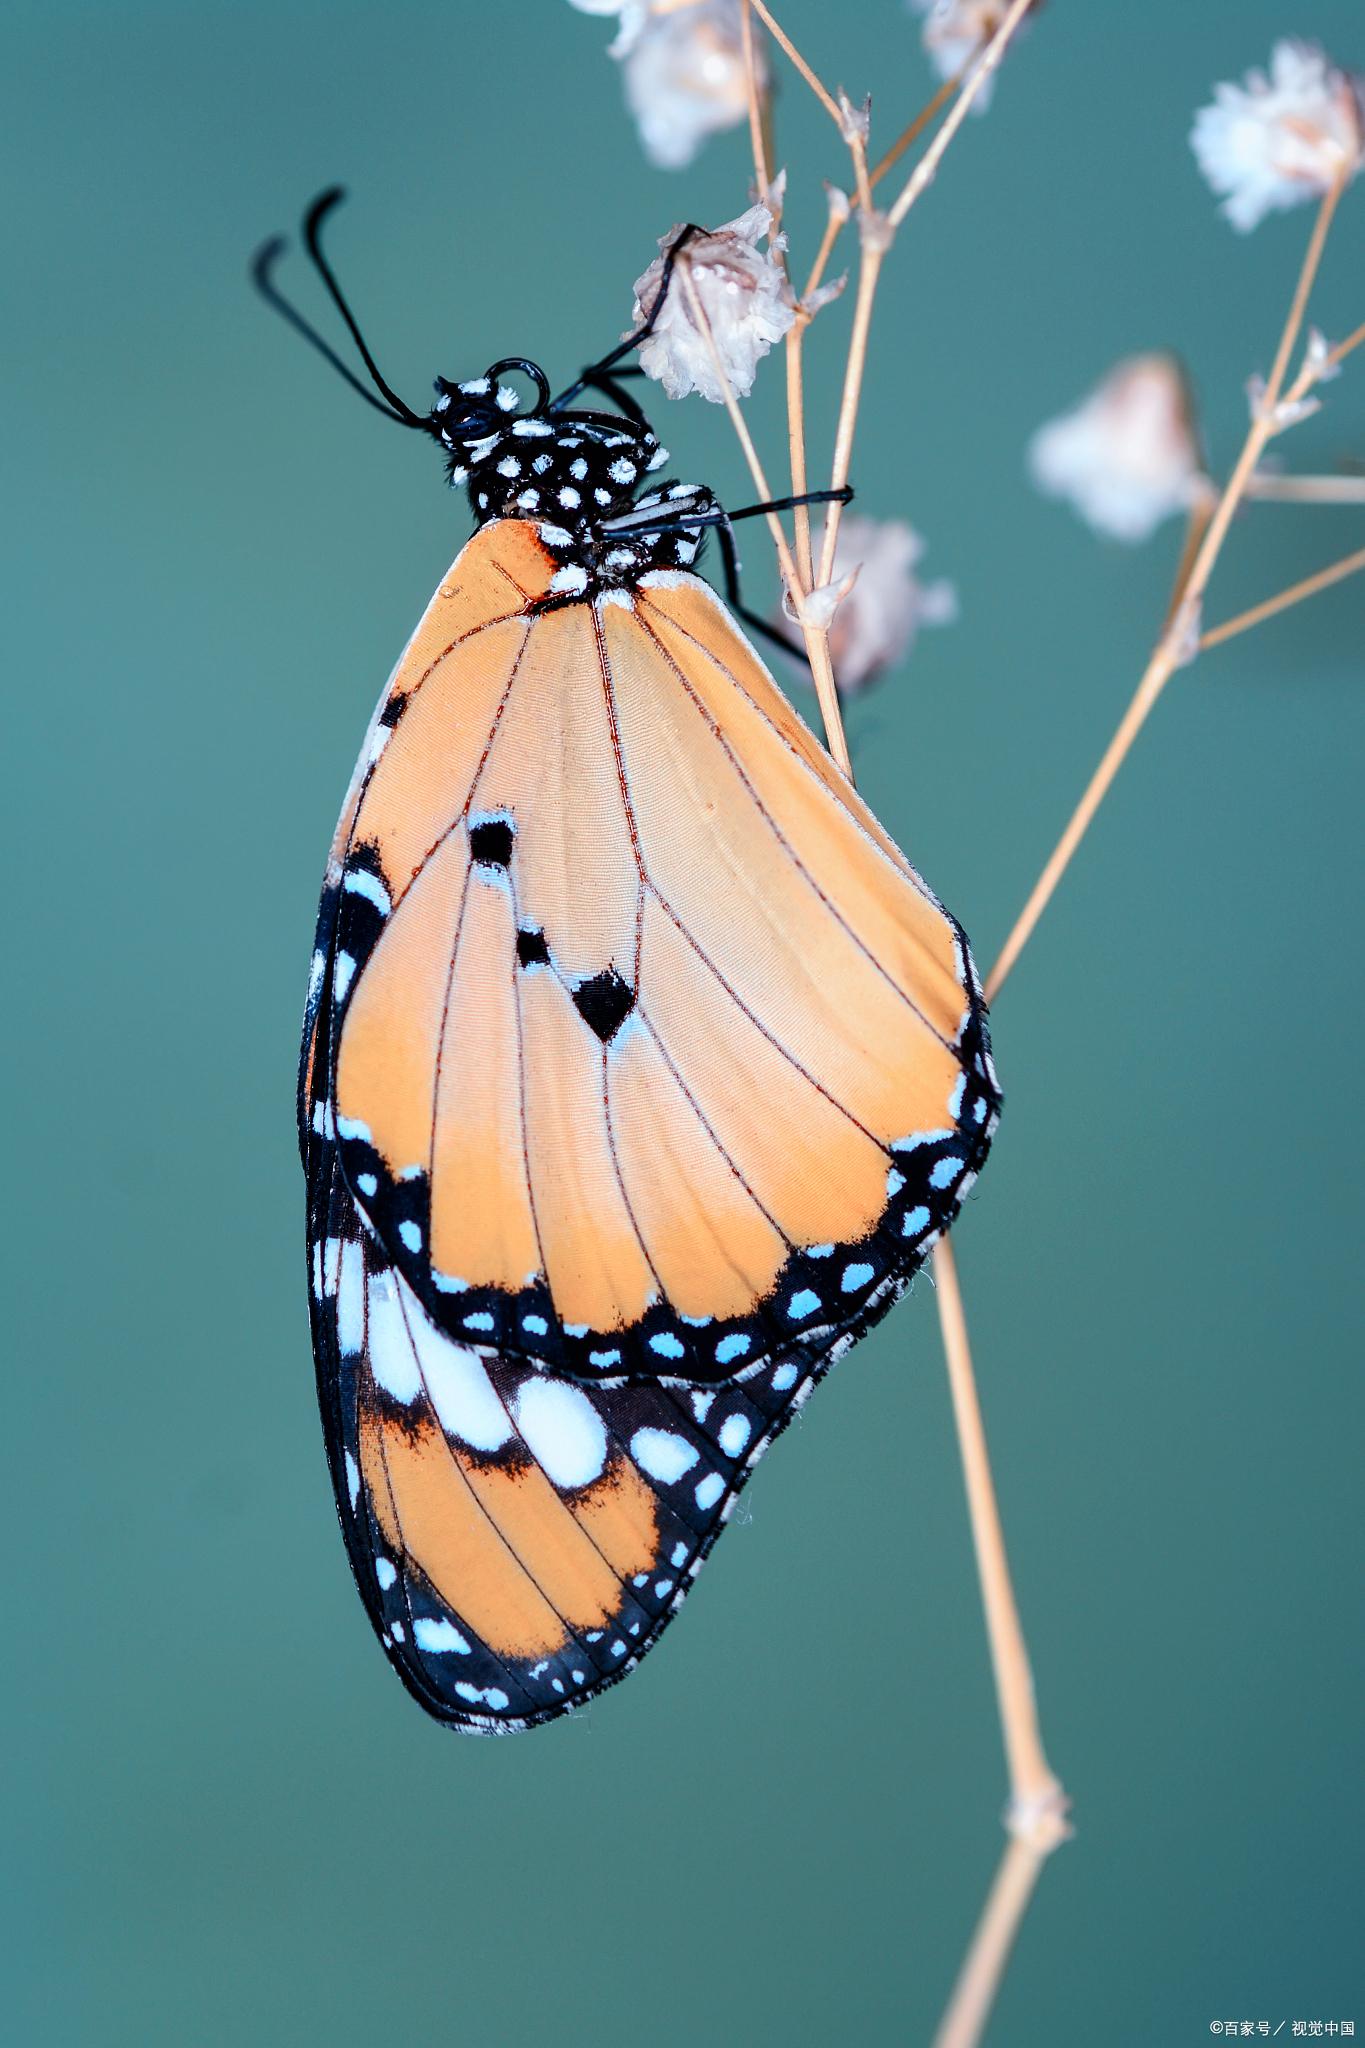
x=604, y=1003
x=532, y=950
x=490, y=842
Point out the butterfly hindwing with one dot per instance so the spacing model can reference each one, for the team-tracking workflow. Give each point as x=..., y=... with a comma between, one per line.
x=519, y=1541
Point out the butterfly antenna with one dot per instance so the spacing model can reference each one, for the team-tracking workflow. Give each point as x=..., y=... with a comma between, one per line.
x=312, y=231
x=262, y=276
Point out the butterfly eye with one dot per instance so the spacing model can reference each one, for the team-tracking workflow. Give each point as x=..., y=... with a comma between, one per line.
x=470, y=426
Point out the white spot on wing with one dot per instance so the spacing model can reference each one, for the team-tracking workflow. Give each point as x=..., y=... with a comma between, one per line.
x=457, y=1383
x=563, y=1431
x=393, y=1360
x=734, y=1435
x=360, y=882
x=662, y=1454
x=351, y=1298
x=438, y=1636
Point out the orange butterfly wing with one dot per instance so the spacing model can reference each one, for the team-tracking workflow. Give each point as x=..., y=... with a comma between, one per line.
x=519, y=1541
x=651, y=1054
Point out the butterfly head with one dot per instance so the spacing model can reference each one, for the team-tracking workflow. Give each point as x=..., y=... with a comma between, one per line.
x=471, y=419
x=523, y=458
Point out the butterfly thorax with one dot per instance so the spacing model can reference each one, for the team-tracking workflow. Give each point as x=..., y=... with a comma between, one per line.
x=576, y=475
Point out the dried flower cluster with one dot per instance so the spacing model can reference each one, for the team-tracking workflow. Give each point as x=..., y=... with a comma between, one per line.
x=878, y=616
x=745, y=299
x=1281, y=138
x=1127, y=457
x=957, y=31
x=683, y=70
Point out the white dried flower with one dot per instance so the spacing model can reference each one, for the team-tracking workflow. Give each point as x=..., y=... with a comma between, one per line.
x=684, y=73
x=1274, y=141
x=744, y=294
x=883, y=605
x=1128, y=455
x=955, y=32
x=1317, y=358
x=1286, y=412
x=855, y=123
x=631, y=14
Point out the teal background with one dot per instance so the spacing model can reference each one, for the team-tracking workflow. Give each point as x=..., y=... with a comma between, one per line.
x=226, y=1823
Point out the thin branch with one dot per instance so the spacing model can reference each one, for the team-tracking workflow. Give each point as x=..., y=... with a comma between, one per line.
x=1179, y=639
x=914, y=129
x=983, y=1967
x=797, y=574
x=1154, y=679
x=878, y=232
x=757, y=138
x=986, y=63
x=1271, y=486
x=1196, y=526
x=869, y=270
x=1309, y=586
x=796, y=420
x=796, y=442
x=832, y=227
x=1343, y=348
x=1037, y=1805
x=816, y=641
x=1307, y=273
x=784, y=42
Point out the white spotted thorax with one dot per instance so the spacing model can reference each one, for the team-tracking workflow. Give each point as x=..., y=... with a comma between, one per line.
x=577, y=475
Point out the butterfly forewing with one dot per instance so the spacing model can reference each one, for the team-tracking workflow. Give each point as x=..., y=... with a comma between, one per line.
x=650, y=1056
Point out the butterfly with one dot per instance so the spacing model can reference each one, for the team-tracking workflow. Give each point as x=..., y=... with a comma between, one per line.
x=640, y=1069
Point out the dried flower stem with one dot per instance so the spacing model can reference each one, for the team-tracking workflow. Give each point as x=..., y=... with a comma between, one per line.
x=758, y=136
x=985, y=64
x=1176, y=643
x=1299, y=303
x=1306, y=490
x=737, y=420
x=914, y=129
x=1044, y=1823
x=817, y=270
x=983, y=1967
x=1343, y=348
x=1037, y=1808
x=796, y=436
x=784, y=41
x=1037, y=1804
x=798, y=574
x=1336, y=572
x=877, y=234
x=822, y=671
x=869, y=271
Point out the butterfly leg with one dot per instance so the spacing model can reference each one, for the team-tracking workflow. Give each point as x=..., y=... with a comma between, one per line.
x=593, y=374
x=594, y=380
x=716, y=516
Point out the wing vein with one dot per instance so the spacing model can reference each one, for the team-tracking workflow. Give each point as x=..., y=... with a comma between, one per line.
x=520, y=1562
x=671, y=914
x=899, y=867
x=706, y=1125
x=792, y=855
